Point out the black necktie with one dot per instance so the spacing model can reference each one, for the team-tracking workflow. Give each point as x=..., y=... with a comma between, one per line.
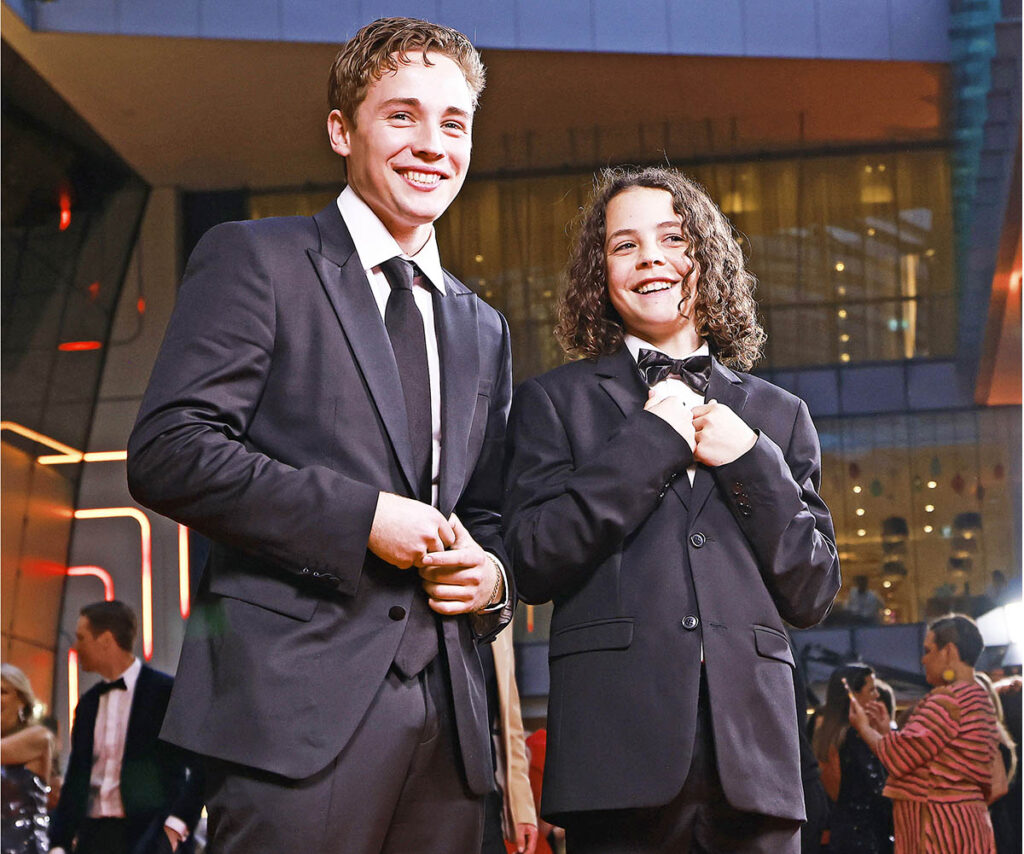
x=405, y=329
x=419, y=643
x=116, y=685
x=695, y=371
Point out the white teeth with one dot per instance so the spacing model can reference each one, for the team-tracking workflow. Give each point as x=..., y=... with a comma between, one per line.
x=653, y=287
x=425, y=178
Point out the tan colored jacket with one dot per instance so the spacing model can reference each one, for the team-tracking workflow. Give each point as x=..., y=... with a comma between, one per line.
x=513, y=763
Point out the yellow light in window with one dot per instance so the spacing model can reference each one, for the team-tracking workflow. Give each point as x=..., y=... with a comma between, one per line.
x=932, y=484
x=841, y=290
x=929, y=253
x=860, y=511
x=869, y=169
x=844, y=337
x=872, y=232
x=881, y=167
x=929, y=508
x=844, y=357
x=840, y=266
x=857, y=489
x=928, y=529
x=842, y=314
x=861, y=532
x=887, y=584
x=479, y=259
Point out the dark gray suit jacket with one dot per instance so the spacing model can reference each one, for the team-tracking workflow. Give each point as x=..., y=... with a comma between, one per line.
x=643, y=570
x=273, y=418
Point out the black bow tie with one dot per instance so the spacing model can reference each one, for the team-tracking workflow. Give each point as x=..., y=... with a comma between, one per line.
x=695, y=371
x=116, y=685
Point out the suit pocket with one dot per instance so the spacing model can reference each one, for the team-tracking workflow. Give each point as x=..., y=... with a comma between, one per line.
x=771, y=643
x=587, y=637
x=236, y=575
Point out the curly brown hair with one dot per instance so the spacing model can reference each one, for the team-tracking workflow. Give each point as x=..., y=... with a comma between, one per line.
x=724, y=306
x=382, y=46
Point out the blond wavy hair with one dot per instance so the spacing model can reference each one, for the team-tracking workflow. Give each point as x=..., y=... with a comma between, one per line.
x=382, y=46
x=724, y=308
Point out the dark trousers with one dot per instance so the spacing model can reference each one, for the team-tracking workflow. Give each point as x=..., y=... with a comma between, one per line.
x=397, y=787
x=698, y=820
x=102, y=836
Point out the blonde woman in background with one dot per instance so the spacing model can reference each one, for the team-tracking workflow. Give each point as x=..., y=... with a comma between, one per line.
x=27, y=748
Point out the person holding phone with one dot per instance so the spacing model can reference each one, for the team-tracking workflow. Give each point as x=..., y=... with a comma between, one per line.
x=943, y=765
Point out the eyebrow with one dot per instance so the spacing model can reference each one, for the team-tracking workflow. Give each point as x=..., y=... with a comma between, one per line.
x=415, y=102
x=670, y=223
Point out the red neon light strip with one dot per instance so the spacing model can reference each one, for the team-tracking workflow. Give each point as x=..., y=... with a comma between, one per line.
x=183, y=571
x=76, y=346
x=97, y=572
x=146, y=537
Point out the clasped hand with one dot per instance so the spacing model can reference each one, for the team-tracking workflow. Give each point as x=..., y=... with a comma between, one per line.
x=454, y=570
x=715, y=433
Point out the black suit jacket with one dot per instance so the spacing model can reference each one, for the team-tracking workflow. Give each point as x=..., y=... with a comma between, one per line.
x=156, y=777
x=644, y=571
x=273, y=419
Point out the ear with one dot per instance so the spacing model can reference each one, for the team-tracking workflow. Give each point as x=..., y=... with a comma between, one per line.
x=338, y=132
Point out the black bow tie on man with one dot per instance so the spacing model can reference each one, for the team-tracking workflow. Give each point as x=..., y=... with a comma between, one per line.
x=695, y=371
x=116, y=685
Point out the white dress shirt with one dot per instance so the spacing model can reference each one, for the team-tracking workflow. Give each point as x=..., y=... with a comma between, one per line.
x=108, y=747
x=671, y=386
x=375, y=245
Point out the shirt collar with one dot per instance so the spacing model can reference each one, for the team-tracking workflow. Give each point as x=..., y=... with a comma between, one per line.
x=635, y=344
x=374, y=242
x=131, y=675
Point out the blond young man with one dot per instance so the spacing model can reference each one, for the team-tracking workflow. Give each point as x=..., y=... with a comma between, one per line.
x=329, y=409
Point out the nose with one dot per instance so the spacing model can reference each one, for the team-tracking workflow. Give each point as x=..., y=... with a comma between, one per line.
x=650, y=256
x=429, y=142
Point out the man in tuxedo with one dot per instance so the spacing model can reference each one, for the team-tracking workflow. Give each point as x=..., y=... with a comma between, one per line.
x=125, y=790
x=329, y=408
x=668, y=505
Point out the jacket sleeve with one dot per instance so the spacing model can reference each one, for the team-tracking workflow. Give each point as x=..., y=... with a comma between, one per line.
x=188, y=456
x=479, y=506
x=774, y=497
x=67, y=816
x=565, y=515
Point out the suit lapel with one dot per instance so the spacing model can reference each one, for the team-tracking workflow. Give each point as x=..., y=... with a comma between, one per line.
x=343, y=278
x=621, y=380
x=455, y=319
x=725, y=387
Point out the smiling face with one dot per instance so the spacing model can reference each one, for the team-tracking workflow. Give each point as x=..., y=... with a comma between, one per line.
x=868, y=692
x=649, y=272
x=409, y=150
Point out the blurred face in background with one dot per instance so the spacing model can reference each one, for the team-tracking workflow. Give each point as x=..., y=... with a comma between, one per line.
x=10, y=705
x=868, y=692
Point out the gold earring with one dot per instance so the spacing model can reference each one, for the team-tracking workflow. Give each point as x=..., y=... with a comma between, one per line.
x=948, y=675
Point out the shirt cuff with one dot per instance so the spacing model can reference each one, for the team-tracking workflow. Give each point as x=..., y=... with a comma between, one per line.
x=57, y=851
x=178, y=826
x=490, y=609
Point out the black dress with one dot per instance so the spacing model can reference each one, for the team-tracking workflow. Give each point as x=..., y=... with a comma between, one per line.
x=24, y=823
x=861, y=820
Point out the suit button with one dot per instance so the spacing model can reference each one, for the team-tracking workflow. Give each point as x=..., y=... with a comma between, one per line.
x=396, y=612
x=305, y=571
x=697, y=541
x=690, y=622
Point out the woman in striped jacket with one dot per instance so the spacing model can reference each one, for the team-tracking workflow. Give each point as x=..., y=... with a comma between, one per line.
x=940, y=763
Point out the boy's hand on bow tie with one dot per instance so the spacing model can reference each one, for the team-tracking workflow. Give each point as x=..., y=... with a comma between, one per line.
x=672, y=410
x=405, y=530
x=461, y=579
x=721, y=435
